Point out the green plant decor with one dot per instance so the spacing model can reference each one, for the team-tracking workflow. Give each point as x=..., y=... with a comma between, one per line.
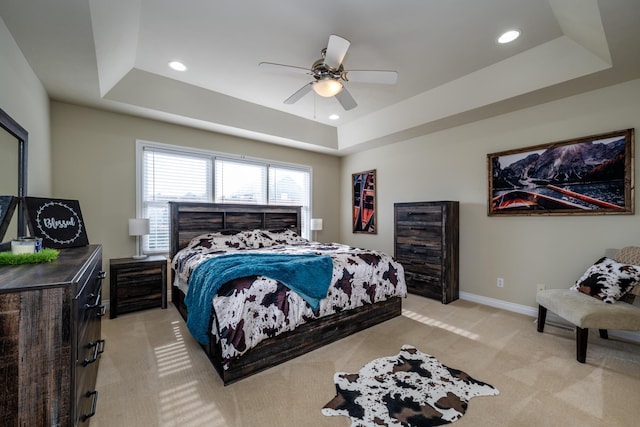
x=45, y=255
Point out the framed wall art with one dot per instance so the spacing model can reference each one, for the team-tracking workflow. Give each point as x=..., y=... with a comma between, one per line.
x=57, y=221
x=592, y=175
x=363, y=185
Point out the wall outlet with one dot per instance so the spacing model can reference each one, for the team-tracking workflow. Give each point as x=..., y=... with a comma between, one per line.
x=541, y=287
x=500, y=282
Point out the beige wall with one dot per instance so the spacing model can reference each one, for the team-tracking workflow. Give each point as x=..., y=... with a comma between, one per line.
x=23, y=97
x=451, y=165
x=94, y=162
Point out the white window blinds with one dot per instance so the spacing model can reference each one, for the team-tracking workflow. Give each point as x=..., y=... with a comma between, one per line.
x=170, y=176
x=290, y=187
x=181, y=174
x=240, y=182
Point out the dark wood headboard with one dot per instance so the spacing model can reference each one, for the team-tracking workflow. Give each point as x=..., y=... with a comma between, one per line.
x=190, y=219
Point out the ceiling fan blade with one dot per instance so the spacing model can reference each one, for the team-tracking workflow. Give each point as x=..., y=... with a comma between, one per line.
x=346, y=100
x=372, y=76
x=299, y=94
x=336, y=51
x=281, y=67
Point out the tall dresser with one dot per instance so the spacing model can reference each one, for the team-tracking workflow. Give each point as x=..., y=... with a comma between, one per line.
x=50, y=341
x=426, y=244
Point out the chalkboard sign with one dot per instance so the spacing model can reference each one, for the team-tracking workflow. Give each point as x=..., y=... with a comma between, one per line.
x=7, y=206
x=58, y=221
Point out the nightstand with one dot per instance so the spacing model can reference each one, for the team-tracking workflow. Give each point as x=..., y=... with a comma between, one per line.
x=137, y=284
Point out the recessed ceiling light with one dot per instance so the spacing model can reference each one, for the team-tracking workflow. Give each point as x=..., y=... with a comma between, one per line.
x=334, y=117
x=509, y=36
x=177, y=65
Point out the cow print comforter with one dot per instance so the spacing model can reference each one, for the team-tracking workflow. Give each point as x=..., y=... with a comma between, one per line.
x=251, y=309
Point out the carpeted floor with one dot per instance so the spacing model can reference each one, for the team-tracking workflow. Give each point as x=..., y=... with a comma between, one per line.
x=154, y=374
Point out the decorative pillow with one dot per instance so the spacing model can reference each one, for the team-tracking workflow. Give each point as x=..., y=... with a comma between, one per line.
x=265, y=238
x=286, y=236
x=219, y=240
x=608, y=280
x=256, y=239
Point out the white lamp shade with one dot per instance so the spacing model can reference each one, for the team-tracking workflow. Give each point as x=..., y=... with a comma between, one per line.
x=316, y=224
x=139, y=226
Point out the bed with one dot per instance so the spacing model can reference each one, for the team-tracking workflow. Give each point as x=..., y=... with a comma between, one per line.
x=191, y=224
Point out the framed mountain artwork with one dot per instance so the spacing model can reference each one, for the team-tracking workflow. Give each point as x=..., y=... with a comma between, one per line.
x=592, y=175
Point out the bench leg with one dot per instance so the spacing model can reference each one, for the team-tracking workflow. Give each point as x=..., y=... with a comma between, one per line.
x=582, y=335
x=604, y=334
x=542, y=317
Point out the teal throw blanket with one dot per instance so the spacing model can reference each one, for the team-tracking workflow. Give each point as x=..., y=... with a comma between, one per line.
x=308, y=275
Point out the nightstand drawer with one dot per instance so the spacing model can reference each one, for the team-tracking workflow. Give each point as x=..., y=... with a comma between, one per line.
x=135, y=276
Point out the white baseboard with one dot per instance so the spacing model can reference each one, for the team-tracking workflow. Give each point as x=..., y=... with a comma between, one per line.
x=552, y=319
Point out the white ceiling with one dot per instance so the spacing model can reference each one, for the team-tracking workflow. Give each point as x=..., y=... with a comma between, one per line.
x=113, y=54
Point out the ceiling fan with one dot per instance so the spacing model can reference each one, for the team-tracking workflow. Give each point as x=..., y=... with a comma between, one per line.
x=329, y=74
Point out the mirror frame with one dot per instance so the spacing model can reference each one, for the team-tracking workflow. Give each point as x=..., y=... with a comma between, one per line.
x=21, y=134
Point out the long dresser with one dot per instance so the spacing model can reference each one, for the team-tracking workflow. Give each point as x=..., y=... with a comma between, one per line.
x=50, y=342
x=426, y=244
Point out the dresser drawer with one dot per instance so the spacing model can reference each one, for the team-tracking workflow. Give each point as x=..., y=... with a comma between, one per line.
x=88, y=303
x=419, y=214
x=419, y=226
x=423, y=235
x=425, y=285
x=432, y=270
x=92, y=346
x=418, y=253
x=89, y=328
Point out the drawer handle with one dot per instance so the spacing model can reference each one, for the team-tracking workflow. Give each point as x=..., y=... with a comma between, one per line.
x=98, y=349
x=417, y=213
x=418, y=228
x=88, y=306
x=94, y=405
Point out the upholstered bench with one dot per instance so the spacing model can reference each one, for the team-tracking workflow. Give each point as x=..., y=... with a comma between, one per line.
x=585, y=311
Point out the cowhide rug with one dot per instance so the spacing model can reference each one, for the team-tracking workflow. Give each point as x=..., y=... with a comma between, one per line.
x=410, y=389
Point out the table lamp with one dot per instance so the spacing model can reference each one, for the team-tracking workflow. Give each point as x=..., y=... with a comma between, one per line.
x=138, y=227
x=316, y=225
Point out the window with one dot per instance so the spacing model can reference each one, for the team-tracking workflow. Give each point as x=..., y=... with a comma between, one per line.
x=288, y=186
x=167, y=173
x=240, y=182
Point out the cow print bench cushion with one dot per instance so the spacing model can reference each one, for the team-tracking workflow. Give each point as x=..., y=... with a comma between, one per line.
x=608, y=280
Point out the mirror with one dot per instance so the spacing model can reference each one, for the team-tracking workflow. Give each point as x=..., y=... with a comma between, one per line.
x=13, y=173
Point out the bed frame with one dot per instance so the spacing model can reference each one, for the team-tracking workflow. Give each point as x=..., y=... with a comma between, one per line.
x=189, y=220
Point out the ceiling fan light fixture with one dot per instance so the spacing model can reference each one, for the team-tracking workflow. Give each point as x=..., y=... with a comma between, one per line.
x=327, y=87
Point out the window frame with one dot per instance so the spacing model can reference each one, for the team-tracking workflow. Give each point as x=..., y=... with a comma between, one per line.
x=141, y=145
